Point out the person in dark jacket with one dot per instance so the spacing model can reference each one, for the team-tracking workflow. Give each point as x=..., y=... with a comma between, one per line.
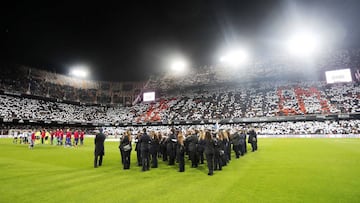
x=253, y=140
x=125, y=148
x=159, y=136
x=171, y=147
x=236, y=144
x=223, y=149
x=227, y=136
x=243, y=143
x=201, y=146
x=225, y=144
x=154, y=149
x=144, y=142
x=120, y=148
x=138, y=150
x=99, y=148
x=181, y=152
x=209, y=152
x=163, y=148
x=219, y=152
x=192, y=141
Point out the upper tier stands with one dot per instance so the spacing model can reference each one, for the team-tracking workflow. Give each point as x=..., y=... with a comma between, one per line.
x=260, y=69
x=21, y=79
x=33, y=81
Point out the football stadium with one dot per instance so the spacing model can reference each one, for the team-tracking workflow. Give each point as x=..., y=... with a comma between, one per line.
x=201, y=101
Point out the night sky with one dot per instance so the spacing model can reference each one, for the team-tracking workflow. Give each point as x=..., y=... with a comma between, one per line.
x=128, y=40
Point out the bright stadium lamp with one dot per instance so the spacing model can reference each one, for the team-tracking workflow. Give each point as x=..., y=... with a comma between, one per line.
x=235, y=57
x=79, y=71
x=303, y=44
x=178, y=65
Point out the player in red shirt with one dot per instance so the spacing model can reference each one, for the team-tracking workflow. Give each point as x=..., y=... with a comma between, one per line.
x=68, y=137
x=43, y=133
x=32, y=140
x=76, y=138
x=82, y=137
x=57, y=133
x=61, y=137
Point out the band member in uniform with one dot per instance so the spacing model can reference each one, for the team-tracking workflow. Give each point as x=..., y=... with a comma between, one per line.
x=253, y=140
x=243, y=143
x=99, y=148
x=209, y=152
x=159, y=136
x=192, y=141
x=163, y=147
x=226, y=136
x=201, y=146
x=138, y=149
x=171, y=146
x=154, y=149
x=223, y=147
x=181, y=152
x=218, y=152
x=144, y=142
x=236, y=144
x=120, y=148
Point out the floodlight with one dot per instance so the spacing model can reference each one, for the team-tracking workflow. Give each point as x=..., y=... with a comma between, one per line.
x=79, y=71
x=303, y=44
x=178, y=65
x=235, y=57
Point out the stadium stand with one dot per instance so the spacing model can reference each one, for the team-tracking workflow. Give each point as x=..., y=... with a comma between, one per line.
x=263, y=128
x=268, y=101
x=205, y=95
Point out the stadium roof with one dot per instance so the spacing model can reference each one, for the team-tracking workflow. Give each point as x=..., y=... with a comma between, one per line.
x=129, y=41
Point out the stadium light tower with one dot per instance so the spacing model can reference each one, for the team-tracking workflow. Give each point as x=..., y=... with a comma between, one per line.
x=79, y=71
x=235, y=57
x=303, y=44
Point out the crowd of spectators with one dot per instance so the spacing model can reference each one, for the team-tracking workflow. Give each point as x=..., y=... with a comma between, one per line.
x=254, y=100
x=273, y=128
x=264, y=100
x=262, y=128
x=309, y=127
x=34, y=109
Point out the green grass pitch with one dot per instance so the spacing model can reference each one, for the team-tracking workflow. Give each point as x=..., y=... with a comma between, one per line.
x=283, y=170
